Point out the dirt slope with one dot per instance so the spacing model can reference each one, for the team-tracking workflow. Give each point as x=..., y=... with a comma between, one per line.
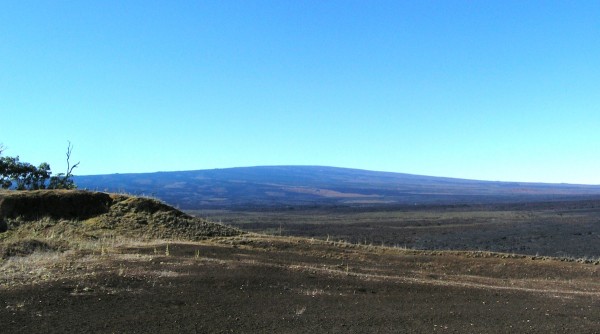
x=257, y=284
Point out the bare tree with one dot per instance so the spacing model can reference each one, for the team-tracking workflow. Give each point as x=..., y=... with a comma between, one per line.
x=62, y=180
x=69, y=167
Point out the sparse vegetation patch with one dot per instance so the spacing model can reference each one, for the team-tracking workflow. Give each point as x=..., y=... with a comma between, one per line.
x=61, y=219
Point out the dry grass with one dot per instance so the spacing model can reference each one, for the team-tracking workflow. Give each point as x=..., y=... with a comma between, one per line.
x=46, y=240
x=130, y=252
x=45, y=249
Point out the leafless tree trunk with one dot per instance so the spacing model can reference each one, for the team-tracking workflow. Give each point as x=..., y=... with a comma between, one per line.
x=69, y=167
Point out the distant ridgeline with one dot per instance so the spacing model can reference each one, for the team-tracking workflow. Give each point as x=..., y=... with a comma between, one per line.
x=293, y=186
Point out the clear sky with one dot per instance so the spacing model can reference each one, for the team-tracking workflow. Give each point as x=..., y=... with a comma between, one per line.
x=493, y=90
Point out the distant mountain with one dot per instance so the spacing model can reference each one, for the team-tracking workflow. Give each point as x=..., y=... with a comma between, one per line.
x=272, y=186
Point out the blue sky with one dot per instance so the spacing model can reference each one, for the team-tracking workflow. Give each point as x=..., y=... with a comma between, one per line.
x=494, y=90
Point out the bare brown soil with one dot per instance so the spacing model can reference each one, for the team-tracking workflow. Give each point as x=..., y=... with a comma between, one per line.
x=260, y=284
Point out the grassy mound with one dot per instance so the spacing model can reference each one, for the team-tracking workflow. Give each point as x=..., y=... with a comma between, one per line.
x=47, y=219
x=149, y=218
x=55, y=204
x=58, y=204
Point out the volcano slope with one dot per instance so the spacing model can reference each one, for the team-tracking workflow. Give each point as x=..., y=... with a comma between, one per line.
x=135, y=265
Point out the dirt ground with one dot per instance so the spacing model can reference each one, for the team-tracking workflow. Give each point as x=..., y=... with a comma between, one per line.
x=260, y=284
x=559, y=229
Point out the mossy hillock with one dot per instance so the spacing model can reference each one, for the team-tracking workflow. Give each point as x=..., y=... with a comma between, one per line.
x=56, y=204
x=150, y=218
x=56, y=216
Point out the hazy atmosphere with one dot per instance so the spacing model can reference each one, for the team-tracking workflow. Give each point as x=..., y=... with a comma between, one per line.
x=489, y=90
